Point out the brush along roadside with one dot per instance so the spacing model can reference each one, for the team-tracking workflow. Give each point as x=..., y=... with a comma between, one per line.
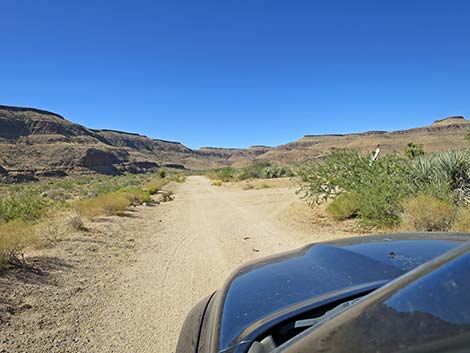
x=33, y=216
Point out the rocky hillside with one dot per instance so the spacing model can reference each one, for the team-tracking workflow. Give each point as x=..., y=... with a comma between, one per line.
x=36, y=143
x=448, y=133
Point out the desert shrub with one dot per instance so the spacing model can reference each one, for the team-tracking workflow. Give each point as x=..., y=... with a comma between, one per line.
x=178, y=178
x=51, y=232
x=76, y=222
x=344, y=206
x=414, y=151
x=224, y=174
x=113, y=203
x=155, y=186
x=248, y=187
x=380, y=186
x=136, y=196
x=382, y=193
x=340, y=171
x=217, y=183
x=15, y=237
x=277, y=171
x=56, y=194
x=24, y=206
x=255, y=171
x=428, y=213
x=462, y=220
x=108, y=204
x=162, y=173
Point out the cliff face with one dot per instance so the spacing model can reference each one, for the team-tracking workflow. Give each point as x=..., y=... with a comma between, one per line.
x=45, y=144
x=36, y=143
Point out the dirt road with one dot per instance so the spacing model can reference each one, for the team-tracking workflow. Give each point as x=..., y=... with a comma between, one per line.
x=130, y=290
x=203, y=235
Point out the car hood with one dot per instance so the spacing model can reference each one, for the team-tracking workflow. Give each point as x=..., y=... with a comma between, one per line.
x=268, y=286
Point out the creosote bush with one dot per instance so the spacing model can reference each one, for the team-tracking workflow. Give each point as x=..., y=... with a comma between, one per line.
x=25, y=206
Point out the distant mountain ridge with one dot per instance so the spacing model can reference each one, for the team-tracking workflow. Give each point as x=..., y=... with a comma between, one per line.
x=36, y=143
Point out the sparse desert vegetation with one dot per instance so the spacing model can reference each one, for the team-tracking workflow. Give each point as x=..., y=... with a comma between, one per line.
x=263, y=170
x=416, y=191
x=36, y=213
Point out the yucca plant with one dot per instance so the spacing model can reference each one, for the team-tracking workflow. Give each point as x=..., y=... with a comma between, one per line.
x=444, y=173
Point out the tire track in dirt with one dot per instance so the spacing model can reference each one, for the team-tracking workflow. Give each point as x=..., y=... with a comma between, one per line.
x=190, y=246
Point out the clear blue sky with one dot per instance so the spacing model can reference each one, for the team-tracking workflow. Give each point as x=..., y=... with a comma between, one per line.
x=238, y=72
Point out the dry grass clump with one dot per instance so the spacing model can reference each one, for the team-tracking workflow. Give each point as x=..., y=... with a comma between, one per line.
x=38, y=214
x=155, y=186
x=217, y=183
x=108, y=204
x=178, y=178
x=248, y=187
x=462, y=220
x=75, y=222
x=428, y=213
x=15, y=237
x=136, y=196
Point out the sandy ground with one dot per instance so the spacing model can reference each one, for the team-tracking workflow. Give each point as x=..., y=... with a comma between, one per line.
x=127, y=284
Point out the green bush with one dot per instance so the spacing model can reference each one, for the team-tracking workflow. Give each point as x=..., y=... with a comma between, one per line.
x=255, y=171
x=23, y=206
x=414, y=151
x=224, y=174
x=344, y=206
x=380, y=185
x=428, y=213
x=340, y=171
x=277, y=171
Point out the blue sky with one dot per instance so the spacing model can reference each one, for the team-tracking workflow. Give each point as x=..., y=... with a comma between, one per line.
x=238, y=73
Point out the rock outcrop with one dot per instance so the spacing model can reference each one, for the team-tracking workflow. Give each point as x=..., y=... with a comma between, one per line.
x=37, y=143
x=45, y=142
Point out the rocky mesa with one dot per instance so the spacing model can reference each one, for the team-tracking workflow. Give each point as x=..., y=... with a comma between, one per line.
x=36, y=143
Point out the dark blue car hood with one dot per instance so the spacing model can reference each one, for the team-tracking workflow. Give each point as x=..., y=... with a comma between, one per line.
x=268, y=286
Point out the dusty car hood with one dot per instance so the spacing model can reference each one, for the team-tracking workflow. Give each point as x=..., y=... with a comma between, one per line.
x=267, y=286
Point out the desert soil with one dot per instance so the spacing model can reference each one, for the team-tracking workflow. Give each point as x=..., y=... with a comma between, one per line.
x=126, y=284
